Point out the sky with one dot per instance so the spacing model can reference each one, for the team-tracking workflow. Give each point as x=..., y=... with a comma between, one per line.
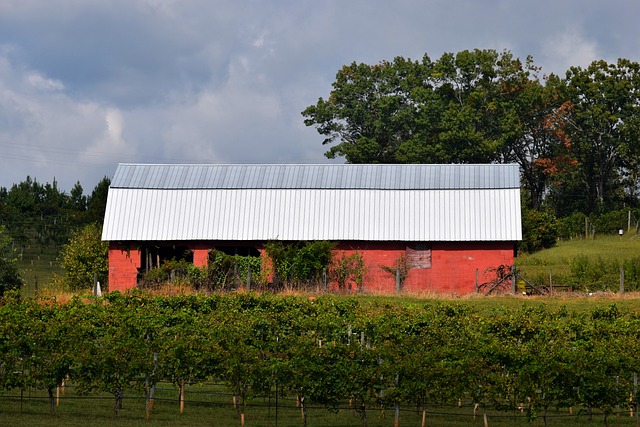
x=88, y=84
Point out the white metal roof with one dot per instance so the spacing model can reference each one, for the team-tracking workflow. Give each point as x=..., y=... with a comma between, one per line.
x=334, y=176
x=154, y=208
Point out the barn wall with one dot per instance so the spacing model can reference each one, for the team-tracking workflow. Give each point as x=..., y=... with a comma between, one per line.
x=124, y=262
x=453, y=265
x=450, y=269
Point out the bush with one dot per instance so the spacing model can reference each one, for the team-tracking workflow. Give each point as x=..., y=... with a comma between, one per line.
x=571, y=226
x=347, y=270
x=83, y=257
x=226, y=272
x=540, y=230
x=594, y=274
x=295, y=263
x=173, y=271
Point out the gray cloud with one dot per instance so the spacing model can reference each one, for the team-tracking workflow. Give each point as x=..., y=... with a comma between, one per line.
x=87, y=84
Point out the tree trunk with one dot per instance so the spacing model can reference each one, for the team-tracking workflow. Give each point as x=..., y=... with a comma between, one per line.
x=52, y=403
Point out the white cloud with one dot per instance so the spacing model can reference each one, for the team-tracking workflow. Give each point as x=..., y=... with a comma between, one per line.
x=39, y=82
x=570, y=48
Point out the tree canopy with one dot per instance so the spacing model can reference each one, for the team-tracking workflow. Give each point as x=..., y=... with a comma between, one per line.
x=575, y=138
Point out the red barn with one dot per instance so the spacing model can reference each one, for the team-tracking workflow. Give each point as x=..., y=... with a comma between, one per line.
x=449, y=222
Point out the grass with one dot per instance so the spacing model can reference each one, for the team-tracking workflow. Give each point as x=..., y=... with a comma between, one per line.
x=38, y=267
x=558, y=258
x=585, y=263
x=206, y=405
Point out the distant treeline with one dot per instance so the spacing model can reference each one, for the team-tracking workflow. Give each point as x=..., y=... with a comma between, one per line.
x=41, y=214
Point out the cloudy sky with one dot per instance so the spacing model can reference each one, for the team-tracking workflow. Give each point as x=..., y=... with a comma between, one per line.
x=86, y=84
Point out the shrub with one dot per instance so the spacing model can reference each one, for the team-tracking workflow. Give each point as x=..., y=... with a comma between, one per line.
x=347, y=270
x=173, y=271
x=540, y=230
x=227, y=272
x=295, y=263
x=83, y=257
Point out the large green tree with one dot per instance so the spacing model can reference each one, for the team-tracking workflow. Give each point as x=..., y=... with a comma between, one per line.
x=605, y=128
x=475, y=106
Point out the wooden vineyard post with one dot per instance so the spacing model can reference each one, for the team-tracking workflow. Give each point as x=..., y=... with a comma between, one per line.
x=424, y=416
x=398, y=285
x=249, y=278
x=397, y=414
x=513, y=279
x=635, y=396
x=621, y=279
x=477, y=282
x=325, y=281
x=586, y=228
x=181, y=396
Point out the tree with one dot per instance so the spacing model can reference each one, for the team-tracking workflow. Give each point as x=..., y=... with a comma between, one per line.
x=84, y=256
x=604, y=126
x=78, y=200
x=404, y=111
x=97, y=204
x=9, y=274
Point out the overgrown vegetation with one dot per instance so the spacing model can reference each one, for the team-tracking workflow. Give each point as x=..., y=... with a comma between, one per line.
x=299, y=264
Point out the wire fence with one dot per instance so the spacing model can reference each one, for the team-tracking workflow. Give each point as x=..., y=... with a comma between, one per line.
x=214, y=401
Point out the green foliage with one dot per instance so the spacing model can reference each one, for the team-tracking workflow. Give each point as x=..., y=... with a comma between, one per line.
x=349, y=269
x=226, y=272
x=575, y=138
x=9, y=275
x=399, y=270
x=327, y=350
x=539, y=230
x=298, y=263
x=572, y=226
x=83, y=257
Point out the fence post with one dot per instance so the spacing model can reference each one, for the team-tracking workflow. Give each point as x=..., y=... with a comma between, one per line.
x=325, y=281
x=477, y=284
x=398, y=280
x=635, y=396
x=586, y=228
x=621, y=280
x=513, y=279
x=550, y=281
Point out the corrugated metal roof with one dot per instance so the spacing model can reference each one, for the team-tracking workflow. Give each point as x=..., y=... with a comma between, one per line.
x=312, y=214
x=381, y=176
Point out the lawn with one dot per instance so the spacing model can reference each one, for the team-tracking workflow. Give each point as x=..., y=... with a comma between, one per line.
x=38, y=267
x=207, y=405
x=595, y=261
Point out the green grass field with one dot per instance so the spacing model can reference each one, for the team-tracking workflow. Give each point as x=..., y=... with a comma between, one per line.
x=586, y=263
x=557, y=258
x=207, y=405
x=38, y=267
